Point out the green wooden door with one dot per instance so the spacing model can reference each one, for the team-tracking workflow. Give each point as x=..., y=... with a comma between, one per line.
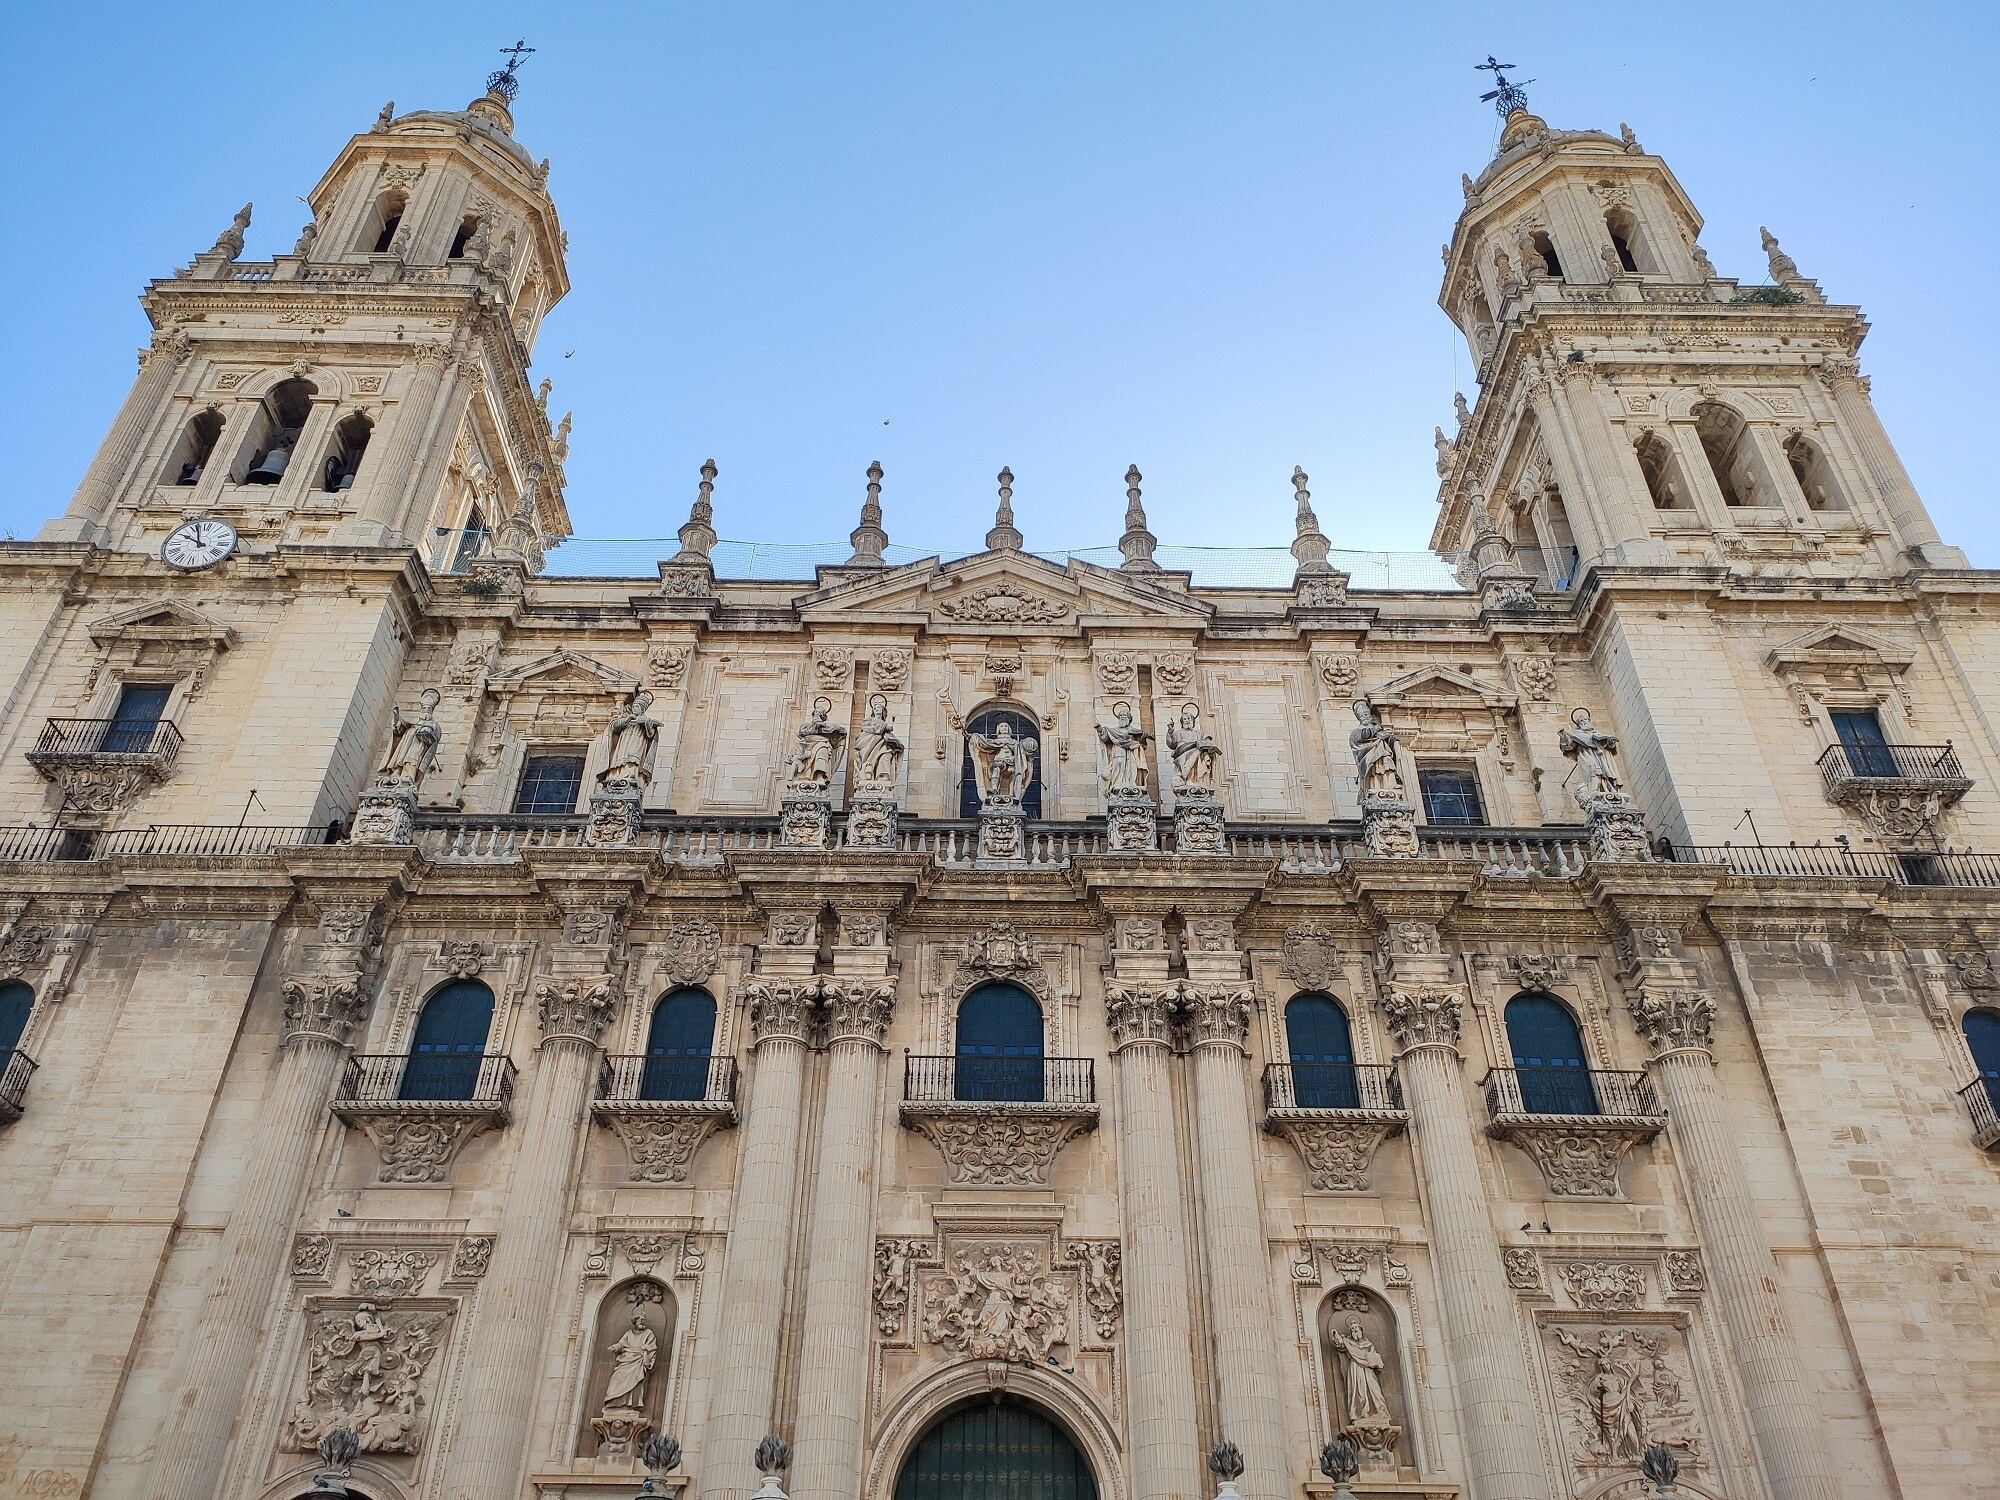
x=996, y=1451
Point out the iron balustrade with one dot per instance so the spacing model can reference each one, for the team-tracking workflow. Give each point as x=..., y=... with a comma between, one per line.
x=1577, y=1092
x=1982, y=1103
x=14, y=1075
x=1363, y=1086
x=630, y=1079
x=999, y=1080
x=1932, y=765
x=375, y=1080
x=156, y=740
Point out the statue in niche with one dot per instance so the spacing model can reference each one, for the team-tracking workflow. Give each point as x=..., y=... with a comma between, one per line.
x=813, y=763
x=1125, y=769
x=1195, y=754
x=633, y=1357
x=1375, y=755
x=635, y=741
x=878, y=754
x=413, y=743
x=1003, y=765
x=1360, y=1376
x=1592, y=749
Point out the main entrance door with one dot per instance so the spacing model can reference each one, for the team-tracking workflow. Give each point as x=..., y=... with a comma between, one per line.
x=995, y=1451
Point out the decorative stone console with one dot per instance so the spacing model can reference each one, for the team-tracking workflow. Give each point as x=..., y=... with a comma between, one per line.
x=419, y=1138
x=1335, y=1122
x=1000, y=1142
x=1576, y=1124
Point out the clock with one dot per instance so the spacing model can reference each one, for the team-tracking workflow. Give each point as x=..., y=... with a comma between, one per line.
x=200, y=543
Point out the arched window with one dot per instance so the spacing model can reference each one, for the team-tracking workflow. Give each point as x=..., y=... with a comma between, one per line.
x=450, y=1044
x=1548, y=1057
x=1721, y=432
x=1982, y=1035
x=1001, y=1449
x=380, y=231
x=343, y=460
x=464, y=236
x=679, y=1044
x=1321, y=1048
x=16, y=1000
x=191, y=454
x=1815, y=477
x=1656, y=463
x=1624, y=232
x=999, y=1045
x=1545, y=253
x=280, y=418
x=1000, y=723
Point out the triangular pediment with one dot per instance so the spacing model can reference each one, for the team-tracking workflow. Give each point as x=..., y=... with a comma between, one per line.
x=1440, y=686
x=161, y=620
x=1005, y=590
x=561, y=670
x=1826, y=644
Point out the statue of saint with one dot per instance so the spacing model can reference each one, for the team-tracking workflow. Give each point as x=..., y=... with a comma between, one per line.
x=1446, y=451
x=632, y=1359
x=877, y=752
x=635, y=741
x=1360, y=1376
x=412, y=743
x=814, y=762
x=1592, y=749
x=1374, y=746
x=1003, y=764
x=1125, y=768
x=1195, y=754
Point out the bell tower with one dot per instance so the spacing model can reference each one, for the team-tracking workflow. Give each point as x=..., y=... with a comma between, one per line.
x=1638, y=407
x=369, y=388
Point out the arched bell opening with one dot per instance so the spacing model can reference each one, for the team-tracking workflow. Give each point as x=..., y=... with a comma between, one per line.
x=190, y=455
x=344, y=453
x=996, y=1448
x=274, y=434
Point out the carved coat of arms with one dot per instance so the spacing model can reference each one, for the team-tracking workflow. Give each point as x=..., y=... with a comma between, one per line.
x=691, y=950
x=1310, y=956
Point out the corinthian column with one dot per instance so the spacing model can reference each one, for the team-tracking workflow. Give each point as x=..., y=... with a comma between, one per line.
x=321, y=1012
x=1158, y=1332
x=1503, y=1460
x=1237, y=1256
x=1849, y=387
x=1785, y=1421
x=158, y=367
x=760, y=1232
x=504, y=1362
x=833, y=1373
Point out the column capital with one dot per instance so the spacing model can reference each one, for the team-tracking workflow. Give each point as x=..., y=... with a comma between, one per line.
x=1219, y=1015
x=1426, y=1015
x=858, y=1009
x=578, y=1009
x=1142, y=1013
x=323, y=1007
x=781, y=1010
x=1838, y=372
x=1673, y=1018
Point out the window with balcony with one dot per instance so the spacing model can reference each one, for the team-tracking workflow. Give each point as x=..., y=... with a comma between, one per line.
x=17, y=1001
x=1451, y=796
x=1320, y=1045
x=450, y=1043
x=135, y=719
x=999, y=1046
x=680, y=1043
x=1863, y=744
x=1548, y=1057
x=550, y=784
x=1982, y=1096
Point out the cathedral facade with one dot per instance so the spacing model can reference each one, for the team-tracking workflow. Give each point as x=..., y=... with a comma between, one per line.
x=998, y=1026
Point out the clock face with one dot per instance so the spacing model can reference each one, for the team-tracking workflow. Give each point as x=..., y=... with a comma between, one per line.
x=200, y=543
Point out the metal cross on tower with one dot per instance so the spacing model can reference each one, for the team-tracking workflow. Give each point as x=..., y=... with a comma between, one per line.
x=503, y=82
x=1509, y=96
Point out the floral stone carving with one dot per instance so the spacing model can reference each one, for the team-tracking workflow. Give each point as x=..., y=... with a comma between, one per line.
x=1000, y=1303
x=421, y=1147
x=690, y=950
x=1101, y=1263
x=366, y=1369
x=1578, y=1158
x=999, y=1144
x=1337, y=1152
x=391, y=1272
x=662, y=1146
x=1605, y=1285
x=1001, y=604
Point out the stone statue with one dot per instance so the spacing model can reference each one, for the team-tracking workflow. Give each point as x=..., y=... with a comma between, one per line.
x=388, y=113
x=1503, y=270
x=1446, y=451
x=1592, y=748
x=1783, y=267
x=1458, y=403
x=306, y=238
x=229, y=244
x=1125, y=768
x=1632, y=146
x=632, y=1359
x=635, y=741
x=412, y=742
x=1195, y=754
x=878, y=754
x=1702, y=264
x=1375, y=755
x=813, y=763
x=1360, y=1376
x=1003, y=764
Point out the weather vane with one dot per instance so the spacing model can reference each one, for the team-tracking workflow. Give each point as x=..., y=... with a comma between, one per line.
x=1509, y=96
x=503, y=82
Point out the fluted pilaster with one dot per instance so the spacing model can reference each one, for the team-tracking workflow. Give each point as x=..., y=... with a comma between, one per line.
x=159, y=367
x=1843, y=378
x=392, y=476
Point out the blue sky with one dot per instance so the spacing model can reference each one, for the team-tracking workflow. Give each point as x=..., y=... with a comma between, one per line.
x=1199, y=238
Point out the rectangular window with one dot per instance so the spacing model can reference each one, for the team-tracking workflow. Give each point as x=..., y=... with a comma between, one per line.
x=1861, y=736
x=549, y=784
x=1451, y=797
x=472, y=541
x=135, y=719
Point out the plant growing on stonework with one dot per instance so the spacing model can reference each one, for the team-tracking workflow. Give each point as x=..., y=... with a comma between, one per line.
x=481, y=586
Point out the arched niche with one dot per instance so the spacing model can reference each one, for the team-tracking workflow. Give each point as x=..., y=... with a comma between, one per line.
x=1367, y=1394
x=625, y=1382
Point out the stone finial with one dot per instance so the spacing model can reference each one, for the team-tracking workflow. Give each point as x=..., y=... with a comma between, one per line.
x=1340, y=1461
x=1660, y=1467
x=302, y=247
x=698, y=534
x=1783, y=267
x=1309, y=546
x=229, y=244
x=1003, y=537
x=559, y=439
x=1225, y=1462
x=388, y=114
x=869, y=538
x=1137, y=542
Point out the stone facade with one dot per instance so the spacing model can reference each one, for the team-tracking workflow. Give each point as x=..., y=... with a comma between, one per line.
x=244, y=1216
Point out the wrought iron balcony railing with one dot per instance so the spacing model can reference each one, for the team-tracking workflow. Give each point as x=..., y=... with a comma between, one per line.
x=1370, y=1087
x=16, y=1068
x=645, y=1082
x=1931, y=767
x=171, y=840
x=1837, y=862
x=1573, y=1093
x=1069, y=1081
x=64, y=741
x=1982, y=1103
x=426, y=1082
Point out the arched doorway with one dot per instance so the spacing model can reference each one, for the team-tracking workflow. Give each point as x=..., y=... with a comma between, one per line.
x=995, y=1450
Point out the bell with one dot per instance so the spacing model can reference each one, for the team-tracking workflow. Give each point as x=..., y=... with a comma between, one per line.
x=190, y=474
x=270, y=468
